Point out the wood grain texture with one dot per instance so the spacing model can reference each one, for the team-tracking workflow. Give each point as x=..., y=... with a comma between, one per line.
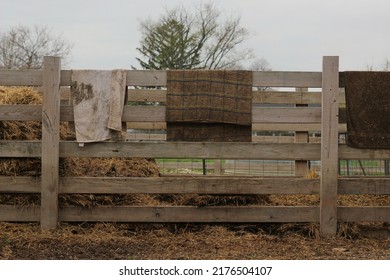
x=329, y=146
x=203, y=150
x=50, y=142
x=195, y=185
x=364, y=185
x=189, y=214
x=11, y=213
x=21, y=78
x=364, y=214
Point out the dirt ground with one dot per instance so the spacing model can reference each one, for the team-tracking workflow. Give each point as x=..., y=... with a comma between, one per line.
x=193, y=241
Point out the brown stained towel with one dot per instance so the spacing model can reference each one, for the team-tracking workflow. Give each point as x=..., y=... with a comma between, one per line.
x=98, y=100
x=209, y=105
x=368, y=109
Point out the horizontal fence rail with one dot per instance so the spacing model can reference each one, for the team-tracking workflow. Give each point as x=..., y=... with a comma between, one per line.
x=300, y=111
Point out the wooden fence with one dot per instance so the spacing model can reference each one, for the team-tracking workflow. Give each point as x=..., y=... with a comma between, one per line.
x=301, y=118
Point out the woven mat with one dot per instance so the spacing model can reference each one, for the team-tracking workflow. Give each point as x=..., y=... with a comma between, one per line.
x=198, y=98
x=368, y=109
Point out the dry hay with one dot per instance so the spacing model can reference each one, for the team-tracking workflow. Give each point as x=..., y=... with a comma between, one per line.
x=184, y=241
x=212, y=200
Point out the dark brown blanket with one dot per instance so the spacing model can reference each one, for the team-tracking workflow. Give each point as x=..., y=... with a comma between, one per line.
x=205, y=105
x=368, y=109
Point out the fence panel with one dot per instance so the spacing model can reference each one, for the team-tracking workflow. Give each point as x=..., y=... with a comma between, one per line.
x=146, y=116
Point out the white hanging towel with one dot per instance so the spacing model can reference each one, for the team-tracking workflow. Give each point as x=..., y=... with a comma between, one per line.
x=98, y=98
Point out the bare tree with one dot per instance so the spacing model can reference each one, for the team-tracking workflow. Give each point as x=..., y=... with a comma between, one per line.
x=199, y=39
x=24, y=48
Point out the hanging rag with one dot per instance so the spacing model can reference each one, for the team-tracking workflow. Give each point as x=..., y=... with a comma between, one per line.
x=98, y=98
x=209, y=105
x=368, y=109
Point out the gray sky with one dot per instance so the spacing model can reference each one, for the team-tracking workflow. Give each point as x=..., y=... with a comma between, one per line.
x=290, y=34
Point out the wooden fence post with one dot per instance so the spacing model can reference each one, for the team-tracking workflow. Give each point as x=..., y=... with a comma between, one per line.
x=329, y=146
x=50, y=142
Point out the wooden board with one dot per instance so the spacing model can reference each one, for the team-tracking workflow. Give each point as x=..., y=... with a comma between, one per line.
x=200, y=185
x=177, y=214
x=188, y=214
x=316, y=127
x=286, y=79
x=329, y=146
x=287, y=151
x=364, y=214
x=346, y=152
x=11, y=213
x=196, y=185
x=364, y=185
x=145, y=95
x=20, y=149
x=203, y=150
x=20, y=112
x=21, y=78
x=286, y=115
x=50, y=142
x=20, y=184
x=158, y=78
x=259, y=97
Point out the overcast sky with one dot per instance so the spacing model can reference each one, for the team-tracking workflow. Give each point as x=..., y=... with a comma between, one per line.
x=290, y=34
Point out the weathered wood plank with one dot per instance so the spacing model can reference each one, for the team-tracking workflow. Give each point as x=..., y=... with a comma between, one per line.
x=21, y=78
x=346, y=152
x=259, y=97
x=216, y=150
x=144, y=114
x=309, y=151
x=145, y=137
x=158, y=78
x=50, y=142
x=292, y=127
x=197, y=185
x=10, y=213
x=364, y=214
x=329, y=146
x=259, y=115
x=200, y=185
x=134, y=78
x=147, y=125
x=145, y=95
x=20, y=112
x=286, y=115
x=146, y=78
x=10, y=184
x=20, y=149
x=286, y=97
x=364, y=185
x=286, y=79
x=156, y=114
x=190, y=214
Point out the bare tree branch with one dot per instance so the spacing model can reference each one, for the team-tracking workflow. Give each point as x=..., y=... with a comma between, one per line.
x=22, y=47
